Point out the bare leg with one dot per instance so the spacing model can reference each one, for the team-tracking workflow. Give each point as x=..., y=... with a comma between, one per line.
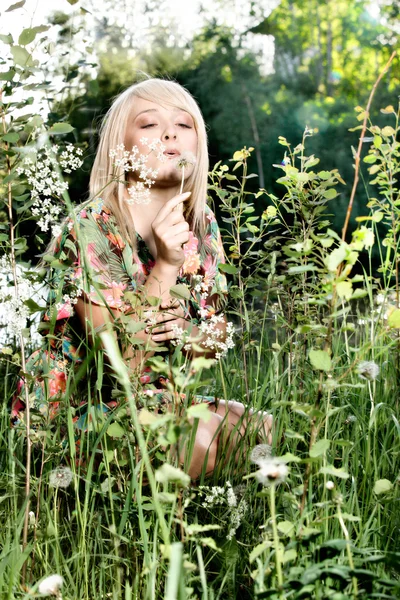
x=230, y=422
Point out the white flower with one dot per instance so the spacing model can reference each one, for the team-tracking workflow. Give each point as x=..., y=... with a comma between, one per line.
x=60, y=477
x=51, y=586
x=272, y=471
x=329, y=485
x=368, y=370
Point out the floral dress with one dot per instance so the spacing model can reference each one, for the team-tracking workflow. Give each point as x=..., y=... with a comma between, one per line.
x=91, y=257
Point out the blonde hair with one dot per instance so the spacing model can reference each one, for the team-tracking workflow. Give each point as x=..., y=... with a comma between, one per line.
x=112, y=134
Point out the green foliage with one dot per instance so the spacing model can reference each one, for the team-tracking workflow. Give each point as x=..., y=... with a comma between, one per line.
x=110, y=506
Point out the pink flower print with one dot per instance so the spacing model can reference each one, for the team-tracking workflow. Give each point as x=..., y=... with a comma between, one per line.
x=94, y=260
x=57, y=383
x=192, y=257
x=83, y=214
x=65, y=311
x=114, y=294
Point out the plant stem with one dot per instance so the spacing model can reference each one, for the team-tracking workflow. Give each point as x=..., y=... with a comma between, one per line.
x=22, y=347
x=360, y=143
x=276, y=540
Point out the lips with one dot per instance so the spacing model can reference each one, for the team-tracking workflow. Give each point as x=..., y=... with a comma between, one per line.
x=172, y=153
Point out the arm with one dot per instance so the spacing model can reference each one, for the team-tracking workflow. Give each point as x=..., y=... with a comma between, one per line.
x=170, y=232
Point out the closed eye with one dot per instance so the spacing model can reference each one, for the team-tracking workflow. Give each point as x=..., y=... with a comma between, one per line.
x=185, y=125
x=148, y=125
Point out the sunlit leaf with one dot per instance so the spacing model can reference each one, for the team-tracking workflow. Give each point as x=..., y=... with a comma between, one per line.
x=334, y=472
x=382, y=486
x=320, y=360
x=15, y=6
x=394, y=319
x=61, y=128
x=320, y=448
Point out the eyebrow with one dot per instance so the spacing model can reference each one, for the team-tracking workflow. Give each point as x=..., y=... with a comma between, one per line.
x=155, y=110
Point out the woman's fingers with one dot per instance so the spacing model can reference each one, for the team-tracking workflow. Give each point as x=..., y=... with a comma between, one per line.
x=169, y=206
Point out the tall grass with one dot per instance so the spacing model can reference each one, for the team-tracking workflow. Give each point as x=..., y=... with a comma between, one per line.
x=129, y=524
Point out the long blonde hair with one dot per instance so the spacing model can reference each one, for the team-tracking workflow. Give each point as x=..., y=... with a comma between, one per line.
x=112, y=134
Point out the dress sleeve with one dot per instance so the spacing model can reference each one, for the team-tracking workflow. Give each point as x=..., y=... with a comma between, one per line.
x=91, y=259
x=209, y=285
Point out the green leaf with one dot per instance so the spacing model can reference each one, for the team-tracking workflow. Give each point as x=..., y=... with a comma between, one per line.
x=21, y=56
x=289, y=555
x=394, y=319
x=115, y=430
x=344, y=289
x=286, y=527
x=301, y=269
x=72, y=2
x=199, y=411
x=27, y=36
x=388, y=130
x=12, y=137
x=370, y=159
x=255, y=553
x=382, y=486
x=337, y=256
x=320, y=360
x=227, y=268
x=169, y=474
x=330, y=194
x=181, y=291
x=6, y=39
x=15, y=6
x=61, y=128
x=377, y=141
x=319, y=448
x=289, y=457
x=334, y=472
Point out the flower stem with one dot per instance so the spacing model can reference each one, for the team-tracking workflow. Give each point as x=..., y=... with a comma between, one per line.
x=183, y=179
x=278, y=561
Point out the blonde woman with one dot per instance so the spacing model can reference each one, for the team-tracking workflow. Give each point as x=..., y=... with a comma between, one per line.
x=136, y=244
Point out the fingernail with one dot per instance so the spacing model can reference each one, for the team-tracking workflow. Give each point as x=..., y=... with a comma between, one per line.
x=186, y=195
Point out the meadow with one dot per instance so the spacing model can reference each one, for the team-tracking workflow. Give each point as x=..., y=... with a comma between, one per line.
x=108, y=511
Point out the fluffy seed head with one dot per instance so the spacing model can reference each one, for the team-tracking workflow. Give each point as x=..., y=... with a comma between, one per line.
x=368, y=370
x=60, y=477
x=51, y=586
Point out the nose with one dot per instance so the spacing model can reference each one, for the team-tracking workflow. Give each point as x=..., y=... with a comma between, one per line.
x=169, y=133
x=169, y=136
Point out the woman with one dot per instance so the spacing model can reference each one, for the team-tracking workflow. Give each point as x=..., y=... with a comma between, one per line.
x=136, y=246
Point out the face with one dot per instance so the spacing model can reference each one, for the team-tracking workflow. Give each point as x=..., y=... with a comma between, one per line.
x=173, y=126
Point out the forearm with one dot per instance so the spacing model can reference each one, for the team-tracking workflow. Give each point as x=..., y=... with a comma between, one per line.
x=160, y=280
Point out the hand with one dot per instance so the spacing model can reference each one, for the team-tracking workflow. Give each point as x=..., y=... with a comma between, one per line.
x=164, y=323
x=171, y=231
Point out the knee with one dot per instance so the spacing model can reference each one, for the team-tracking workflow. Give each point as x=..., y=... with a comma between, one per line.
x=205, y=449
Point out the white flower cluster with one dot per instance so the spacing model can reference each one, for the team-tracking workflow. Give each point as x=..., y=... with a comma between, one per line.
x=13, y=312
x=134, y=162
x=212, y=334
x=225, y=496
x=42, y=170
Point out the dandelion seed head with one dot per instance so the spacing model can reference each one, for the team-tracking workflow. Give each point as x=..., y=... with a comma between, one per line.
x=60, y=477
x=186, y=159
x=368, y=370
x=260, y=453
x=271, y=472
x=51, y=586
x=329, y=485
